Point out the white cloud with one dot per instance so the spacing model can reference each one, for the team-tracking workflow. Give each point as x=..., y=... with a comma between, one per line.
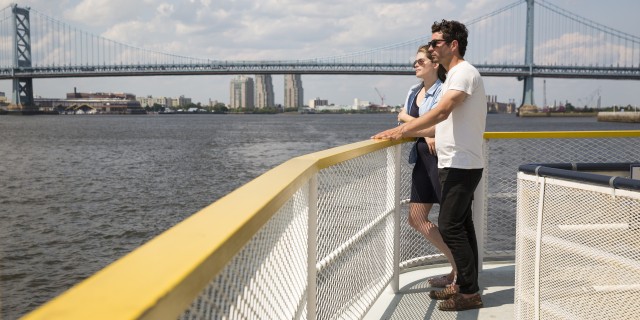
x=101, y=13
x=184, y=29
x=165, y=9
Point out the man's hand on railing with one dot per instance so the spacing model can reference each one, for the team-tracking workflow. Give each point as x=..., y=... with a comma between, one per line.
x=391, y=134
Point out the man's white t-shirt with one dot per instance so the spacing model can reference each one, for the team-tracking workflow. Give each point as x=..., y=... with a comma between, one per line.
x=459, y=138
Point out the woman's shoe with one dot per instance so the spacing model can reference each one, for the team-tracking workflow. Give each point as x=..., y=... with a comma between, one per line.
x=439, y=282
x=443, y=294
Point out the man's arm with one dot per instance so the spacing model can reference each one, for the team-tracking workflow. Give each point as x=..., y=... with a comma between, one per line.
x=420, y=127
x=428, y=132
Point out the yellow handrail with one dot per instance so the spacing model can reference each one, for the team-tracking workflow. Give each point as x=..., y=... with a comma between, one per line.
x=160, y=279
x=562, y=134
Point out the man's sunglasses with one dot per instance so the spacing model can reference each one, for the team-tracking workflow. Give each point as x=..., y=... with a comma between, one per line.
x=434, y=43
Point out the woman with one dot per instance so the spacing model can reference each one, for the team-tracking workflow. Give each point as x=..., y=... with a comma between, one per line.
x=425, y=186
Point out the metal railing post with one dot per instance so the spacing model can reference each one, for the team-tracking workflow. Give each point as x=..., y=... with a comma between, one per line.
x=395, y=281
x=312, y=233
x=536, y=277
x=479, y=207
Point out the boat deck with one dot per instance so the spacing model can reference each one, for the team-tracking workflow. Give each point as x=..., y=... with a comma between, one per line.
x=413, y=302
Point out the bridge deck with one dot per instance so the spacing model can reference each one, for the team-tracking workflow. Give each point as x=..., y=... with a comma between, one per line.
x=413, y=302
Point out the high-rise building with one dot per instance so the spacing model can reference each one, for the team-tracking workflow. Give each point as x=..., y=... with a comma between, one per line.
x=241, y=92
x=293, y=93
x=264, y=91
x=150, y=101
x=317, y=102
x=180, y=101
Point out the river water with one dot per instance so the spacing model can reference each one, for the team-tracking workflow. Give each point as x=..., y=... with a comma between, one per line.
x=78, y=192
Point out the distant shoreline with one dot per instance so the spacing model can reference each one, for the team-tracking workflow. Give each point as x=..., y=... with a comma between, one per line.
x=619, y=117
x=558, y=114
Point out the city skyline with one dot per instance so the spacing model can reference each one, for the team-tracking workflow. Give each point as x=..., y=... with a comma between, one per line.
x=243, y=30
x=241, y=92
x=264, y=91
x=293, y=91
x=249, y=94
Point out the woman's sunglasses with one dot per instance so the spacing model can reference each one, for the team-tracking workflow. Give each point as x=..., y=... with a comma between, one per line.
x=420, y=62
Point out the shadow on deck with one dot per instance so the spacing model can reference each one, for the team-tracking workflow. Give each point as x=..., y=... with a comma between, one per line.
x=413, y=302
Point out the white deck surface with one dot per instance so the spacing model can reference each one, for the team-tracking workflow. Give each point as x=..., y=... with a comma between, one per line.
x=413, y=302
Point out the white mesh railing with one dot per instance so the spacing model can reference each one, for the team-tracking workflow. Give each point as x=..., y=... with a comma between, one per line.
x=267, y=279
x=353, y=245
x=355, y=233
x=337, y=235
x=354, y=222
x=505, y=152
x=578, y=250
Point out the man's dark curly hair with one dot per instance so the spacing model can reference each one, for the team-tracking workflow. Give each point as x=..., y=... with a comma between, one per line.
x=452, y=30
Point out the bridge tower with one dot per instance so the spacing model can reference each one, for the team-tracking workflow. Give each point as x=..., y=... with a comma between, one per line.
x=22, y=86
x=527, y=94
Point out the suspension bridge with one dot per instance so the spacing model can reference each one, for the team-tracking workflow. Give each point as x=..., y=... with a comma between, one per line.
x=34, y=45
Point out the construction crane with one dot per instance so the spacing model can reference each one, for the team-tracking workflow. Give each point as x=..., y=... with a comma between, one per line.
x=381, y=97
x=588, y=100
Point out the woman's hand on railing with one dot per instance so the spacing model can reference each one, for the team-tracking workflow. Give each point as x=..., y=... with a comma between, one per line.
x=431, y=143
x=404, y=117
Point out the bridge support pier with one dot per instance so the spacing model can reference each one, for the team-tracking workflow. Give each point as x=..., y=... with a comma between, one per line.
x=23, y=97
x=527, y=91
x=22, y=87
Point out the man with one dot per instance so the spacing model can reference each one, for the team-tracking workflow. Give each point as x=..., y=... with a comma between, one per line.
x=459, y=120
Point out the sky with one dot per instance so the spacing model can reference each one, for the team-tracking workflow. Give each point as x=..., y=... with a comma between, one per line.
x=300, y=29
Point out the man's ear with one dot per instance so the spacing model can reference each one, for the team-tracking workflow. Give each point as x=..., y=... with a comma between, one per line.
x=454, y=44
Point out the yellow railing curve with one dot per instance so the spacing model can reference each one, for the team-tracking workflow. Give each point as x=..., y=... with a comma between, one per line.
x=162, y=277
x=562, y=134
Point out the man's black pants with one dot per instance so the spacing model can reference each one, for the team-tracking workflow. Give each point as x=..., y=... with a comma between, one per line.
x=456, y=223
